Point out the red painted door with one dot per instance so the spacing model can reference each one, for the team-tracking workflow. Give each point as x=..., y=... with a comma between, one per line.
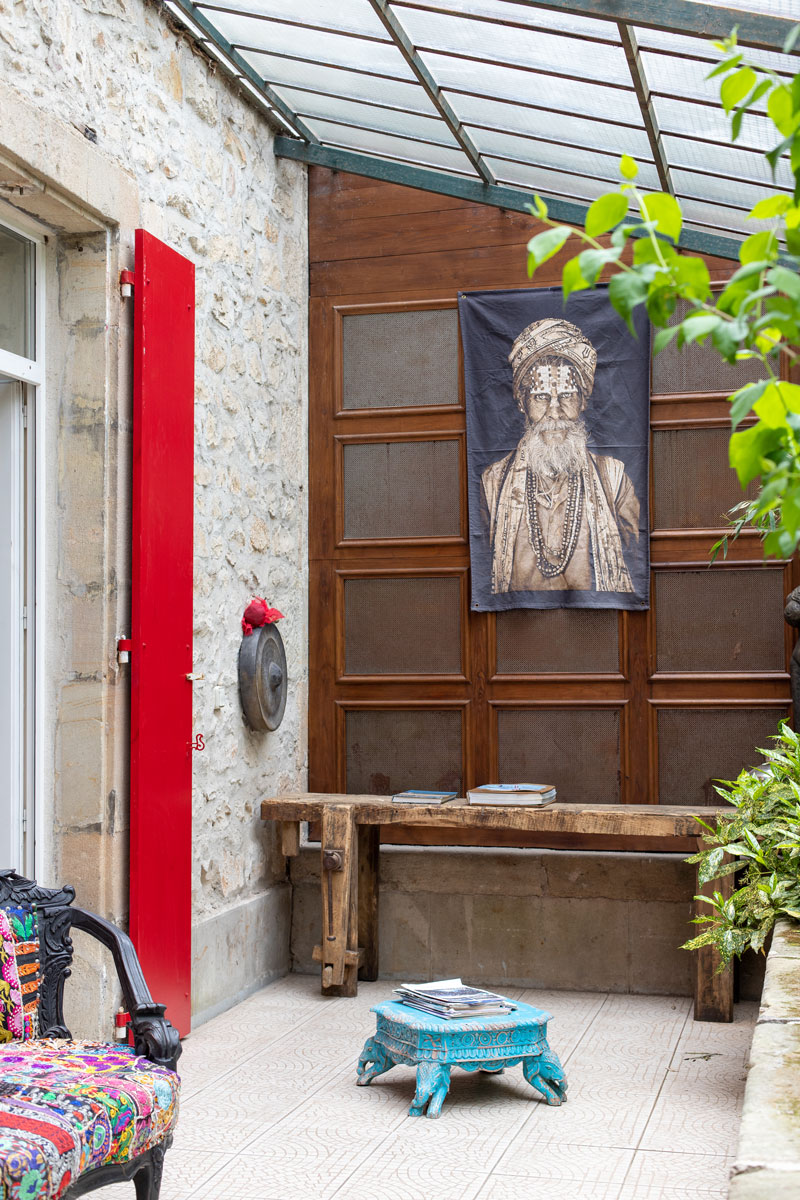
x=161, y=636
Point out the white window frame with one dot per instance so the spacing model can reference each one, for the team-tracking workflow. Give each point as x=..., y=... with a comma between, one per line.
x=31, y=374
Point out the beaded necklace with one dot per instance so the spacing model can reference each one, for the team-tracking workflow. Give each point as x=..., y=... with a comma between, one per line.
x=569, y=533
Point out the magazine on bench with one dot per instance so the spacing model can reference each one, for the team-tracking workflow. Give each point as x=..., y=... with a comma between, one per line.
x=421, y=797
x=450, y=998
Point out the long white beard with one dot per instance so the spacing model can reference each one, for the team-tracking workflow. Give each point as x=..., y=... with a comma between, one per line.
x=567, y=455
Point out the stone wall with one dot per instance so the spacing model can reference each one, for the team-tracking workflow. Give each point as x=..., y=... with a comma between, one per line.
x=111, y=119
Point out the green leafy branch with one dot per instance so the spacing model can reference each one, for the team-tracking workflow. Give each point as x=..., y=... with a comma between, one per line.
x=760, y=840
x=634, y=235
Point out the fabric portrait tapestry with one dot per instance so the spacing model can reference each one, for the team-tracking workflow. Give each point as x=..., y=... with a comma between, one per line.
x=558, y=435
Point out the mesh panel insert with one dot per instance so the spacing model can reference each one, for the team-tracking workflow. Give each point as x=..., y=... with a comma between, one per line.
x=390, y=750
x=401, y=489
x=532, y=641
x=402, y=626
x=575, y=749
x=399, y=359
x=719, y=620
x=694, y=486
x=698, y=368
x=698, y=746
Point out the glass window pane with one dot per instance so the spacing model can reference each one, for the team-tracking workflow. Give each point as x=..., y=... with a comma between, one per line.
x=563, y=95
x=725, y=160
x=352, y=15
x=338, y=49
x=681, y=116
x=353, y=84
x=712, y=187
x=499, y=10
x=681, y=77
x=716, y=217
x=565, y=158
x=434, y=31
x=335, y=108
x=17, y=325
x=386, y=146
x=557, y=126
x=553, y=183
x=692, y=47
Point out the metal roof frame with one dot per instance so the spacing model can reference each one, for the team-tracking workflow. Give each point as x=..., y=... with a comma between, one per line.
x=480, y=180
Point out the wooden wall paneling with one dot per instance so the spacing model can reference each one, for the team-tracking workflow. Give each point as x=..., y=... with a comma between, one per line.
x=385, y=248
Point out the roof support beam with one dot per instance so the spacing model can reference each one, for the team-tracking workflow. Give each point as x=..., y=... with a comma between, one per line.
x=642, y=88
x=240, y=67
x=409, y=53
x=471, y=190
x=763, y=31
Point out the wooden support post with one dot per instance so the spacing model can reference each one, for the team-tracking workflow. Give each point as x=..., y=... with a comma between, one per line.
x=369, y=844
x=339, y=900
x=290, y=838
x=713, y=991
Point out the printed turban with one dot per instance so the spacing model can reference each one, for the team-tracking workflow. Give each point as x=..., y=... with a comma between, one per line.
x=554, y=338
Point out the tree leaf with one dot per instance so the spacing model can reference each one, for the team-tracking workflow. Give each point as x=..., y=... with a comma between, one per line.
x=626, y=291
x=666, y=212
x=697, y=326
x=770, y=206
x=791, y=40
x=572, y=279
x=758, y=246
x=747, y=449
x=736, y=87
x=628, y=167
x=779, y=107
x=546, y=244
x=742, y=401
x=664, y=337
x=727, y=64
x=606, y=212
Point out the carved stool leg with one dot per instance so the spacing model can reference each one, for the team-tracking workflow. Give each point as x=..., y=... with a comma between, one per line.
x=546, y=1075
x=433, y=1083
x=374, y=1053
x=148, y=1181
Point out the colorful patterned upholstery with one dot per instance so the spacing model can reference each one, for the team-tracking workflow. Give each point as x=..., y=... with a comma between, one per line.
x=25, y=929
x=67, y=1107
x=11, y=1017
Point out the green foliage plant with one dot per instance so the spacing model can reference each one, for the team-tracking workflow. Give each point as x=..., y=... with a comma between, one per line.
x=761, y=839
x=755, y=316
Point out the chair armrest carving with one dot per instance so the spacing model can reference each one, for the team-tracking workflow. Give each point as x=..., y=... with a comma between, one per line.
x=153, y=1035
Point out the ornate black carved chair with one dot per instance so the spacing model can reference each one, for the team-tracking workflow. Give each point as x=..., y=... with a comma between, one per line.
x=155, y=1039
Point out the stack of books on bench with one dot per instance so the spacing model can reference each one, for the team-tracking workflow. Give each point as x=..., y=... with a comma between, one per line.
x=535, y=794
x=450, y=998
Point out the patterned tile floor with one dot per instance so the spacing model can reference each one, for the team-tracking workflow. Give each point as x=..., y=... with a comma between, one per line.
x=270, y=1107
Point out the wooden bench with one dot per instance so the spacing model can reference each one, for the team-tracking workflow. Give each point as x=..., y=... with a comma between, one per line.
x=350, y=841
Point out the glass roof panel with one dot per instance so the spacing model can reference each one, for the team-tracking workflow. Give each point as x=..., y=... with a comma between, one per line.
x=353, y=84
x=702, y=122
x=772, y=8
x=717, y=187
x=717, y=217
x=355, y=16
x=500, y=10
x=392, y=147
x=335, y=48
x=552, y=183
x=557, y=126
x=370, y=116
x=565, y=95
x=725, y=160
x=693, y=47
x=681, y=77
x=563, y=158
x=520, y=47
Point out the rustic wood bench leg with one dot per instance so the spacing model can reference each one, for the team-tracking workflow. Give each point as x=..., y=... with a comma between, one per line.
x=369, y=844
x=339, y=950
x=713, y=992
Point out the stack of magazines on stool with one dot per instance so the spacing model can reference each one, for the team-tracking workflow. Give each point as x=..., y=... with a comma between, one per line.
x=450, y=998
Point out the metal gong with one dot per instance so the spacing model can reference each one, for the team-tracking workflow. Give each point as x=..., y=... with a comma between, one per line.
x=262, y=678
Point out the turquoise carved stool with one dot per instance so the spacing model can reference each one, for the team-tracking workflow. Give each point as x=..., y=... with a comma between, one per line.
x=434, y=1045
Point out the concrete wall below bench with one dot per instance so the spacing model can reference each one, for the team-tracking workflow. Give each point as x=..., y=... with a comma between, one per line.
x=767, y=1163
x=529, y=918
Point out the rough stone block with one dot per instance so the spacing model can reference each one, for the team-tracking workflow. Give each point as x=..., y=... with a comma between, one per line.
x=780, y=1000
x=770, y=1129
x=765, y=1185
